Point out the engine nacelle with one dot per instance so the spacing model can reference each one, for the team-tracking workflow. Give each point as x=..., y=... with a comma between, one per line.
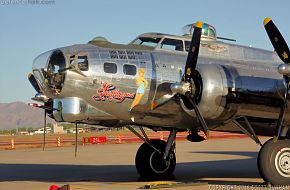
x=73, y=109
x=213, y=92
x=70, y=109
x=227, y=91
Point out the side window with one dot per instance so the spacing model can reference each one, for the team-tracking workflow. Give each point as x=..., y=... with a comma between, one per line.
x=72, y=59
x=187, y=45
x=81, y=60
x=129, y=69
x=83, y=63
x=110, y=68
x=172, y=44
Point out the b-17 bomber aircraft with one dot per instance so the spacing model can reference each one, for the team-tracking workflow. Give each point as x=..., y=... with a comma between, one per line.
x=196, y=82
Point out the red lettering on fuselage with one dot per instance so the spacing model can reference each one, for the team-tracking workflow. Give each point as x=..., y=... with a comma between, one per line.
x=111, y=93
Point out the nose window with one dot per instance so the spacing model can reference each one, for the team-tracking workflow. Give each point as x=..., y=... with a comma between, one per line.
x=56, y=62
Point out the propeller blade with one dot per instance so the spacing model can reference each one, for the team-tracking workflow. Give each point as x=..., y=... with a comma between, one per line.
x=200, y=118
x=193, y=52
x=44, y=130
x=283, y=52
x=165, y=94
x=281, y=115
x=277, y=40
x=162, y=100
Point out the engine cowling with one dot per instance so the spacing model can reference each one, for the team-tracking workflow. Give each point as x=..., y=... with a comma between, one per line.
x=226, y=91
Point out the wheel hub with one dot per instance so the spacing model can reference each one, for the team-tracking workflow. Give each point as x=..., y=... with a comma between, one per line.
x=282, y=162
x=157, y=163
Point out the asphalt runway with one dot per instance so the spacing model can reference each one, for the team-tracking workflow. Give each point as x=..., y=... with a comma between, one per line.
x=208, y=165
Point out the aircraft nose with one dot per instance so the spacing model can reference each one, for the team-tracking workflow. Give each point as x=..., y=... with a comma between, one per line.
x=49, y=72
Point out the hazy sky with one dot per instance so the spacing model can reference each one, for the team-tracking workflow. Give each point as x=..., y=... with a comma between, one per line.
x=28, y=29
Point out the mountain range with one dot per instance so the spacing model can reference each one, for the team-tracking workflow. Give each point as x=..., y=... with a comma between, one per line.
x=19, y=114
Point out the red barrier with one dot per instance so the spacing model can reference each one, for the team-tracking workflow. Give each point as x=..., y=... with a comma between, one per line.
x=97, y=140
x=161, y=136
x=110, y=139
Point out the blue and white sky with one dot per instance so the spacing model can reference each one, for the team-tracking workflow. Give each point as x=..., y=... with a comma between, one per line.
x=27, y=29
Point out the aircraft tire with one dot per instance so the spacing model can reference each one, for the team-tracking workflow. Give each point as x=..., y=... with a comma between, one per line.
x=259, y=169
x=274, y=162
x=150, y=164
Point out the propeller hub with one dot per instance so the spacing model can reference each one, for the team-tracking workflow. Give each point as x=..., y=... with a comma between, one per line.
x=284, y=69
x=183, y=88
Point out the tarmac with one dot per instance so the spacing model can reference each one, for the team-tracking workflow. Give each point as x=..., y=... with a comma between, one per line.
x=212, y=164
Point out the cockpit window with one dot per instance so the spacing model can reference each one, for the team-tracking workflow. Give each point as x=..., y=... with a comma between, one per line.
x=172, y=44
x=187, y=45
x=211, y=33
x=147, y=41
x=204, y=31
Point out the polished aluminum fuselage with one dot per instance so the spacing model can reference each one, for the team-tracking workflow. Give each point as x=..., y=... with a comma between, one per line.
x=235, y=81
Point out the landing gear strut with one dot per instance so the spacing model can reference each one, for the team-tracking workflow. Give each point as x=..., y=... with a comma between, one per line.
x=274, y=156
x=155, y=159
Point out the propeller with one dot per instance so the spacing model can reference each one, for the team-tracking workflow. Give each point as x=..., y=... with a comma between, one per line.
x=33, y=82
x=192, y=56
x=168, y=94
x=188, y=78
x=277, y=40
x=283, y=52
x=186, y=88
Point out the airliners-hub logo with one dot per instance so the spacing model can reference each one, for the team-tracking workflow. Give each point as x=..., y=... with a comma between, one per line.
x=27, y=2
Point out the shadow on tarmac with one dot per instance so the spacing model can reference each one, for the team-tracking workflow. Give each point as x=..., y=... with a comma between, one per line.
x=221, y=169
x=185, y=172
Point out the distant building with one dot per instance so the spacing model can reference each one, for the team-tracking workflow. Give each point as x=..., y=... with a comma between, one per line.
x=58, y=129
